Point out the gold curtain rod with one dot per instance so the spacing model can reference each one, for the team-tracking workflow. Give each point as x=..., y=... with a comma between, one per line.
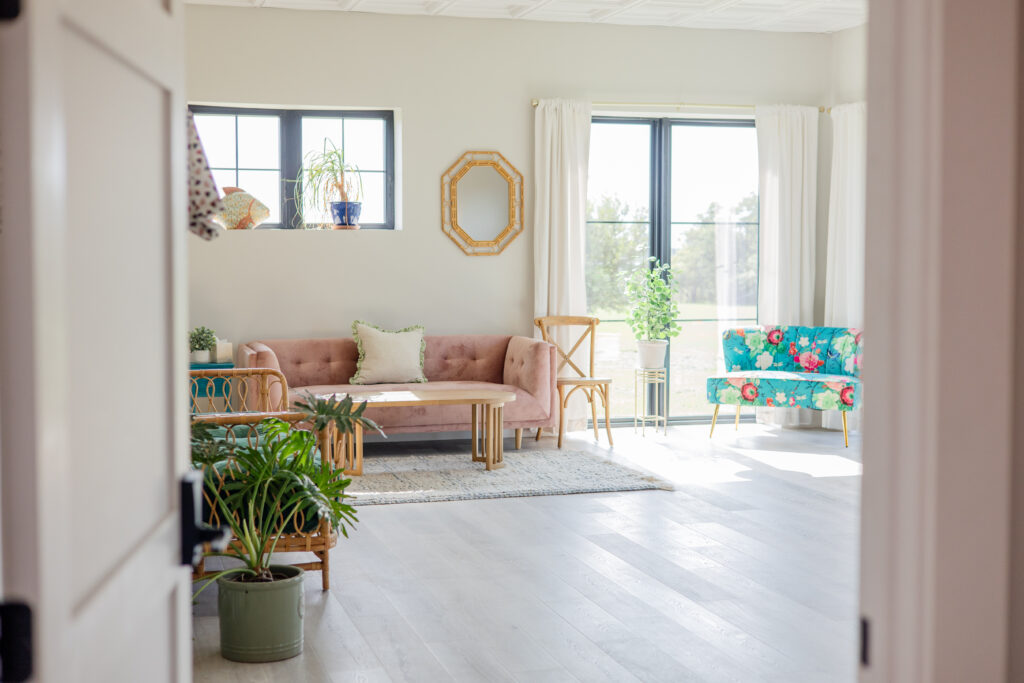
x=676, y=105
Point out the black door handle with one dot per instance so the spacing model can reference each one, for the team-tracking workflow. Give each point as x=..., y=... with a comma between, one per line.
x=194, y=532
x=10, y=9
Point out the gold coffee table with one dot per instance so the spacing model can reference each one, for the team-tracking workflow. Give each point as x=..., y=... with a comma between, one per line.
x=487, y=406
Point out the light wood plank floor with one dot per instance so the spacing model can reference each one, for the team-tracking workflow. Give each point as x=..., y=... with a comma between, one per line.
x=747, y=572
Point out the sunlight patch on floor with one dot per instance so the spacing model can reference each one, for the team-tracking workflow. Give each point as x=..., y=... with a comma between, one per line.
x=812, y=464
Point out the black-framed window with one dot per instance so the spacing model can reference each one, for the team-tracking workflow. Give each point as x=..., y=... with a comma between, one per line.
x=262, y=150
x=684, y=191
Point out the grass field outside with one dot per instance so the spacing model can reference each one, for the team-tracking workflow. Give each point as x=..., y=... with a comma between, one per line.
x=694, y=355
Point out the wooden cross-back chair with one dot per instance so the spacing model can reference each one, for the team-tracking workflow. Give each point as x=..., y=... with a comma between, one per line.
x=593, y=387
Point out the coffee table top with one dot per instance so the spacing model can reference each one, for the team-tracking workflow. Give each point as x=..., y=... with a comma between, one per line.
x=425, y=397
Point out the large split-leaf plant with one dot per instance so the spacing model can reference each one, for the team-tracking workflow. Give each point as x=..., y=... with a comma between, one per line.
x=274, y=483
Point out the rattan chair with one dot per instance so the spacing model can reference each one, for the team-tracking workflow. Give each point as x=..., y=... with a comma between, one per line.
x=593, y=387
x=238, y=400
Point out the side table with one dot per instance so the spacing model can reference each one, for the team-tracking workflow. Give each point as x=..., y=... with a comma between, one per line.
x=643, y=409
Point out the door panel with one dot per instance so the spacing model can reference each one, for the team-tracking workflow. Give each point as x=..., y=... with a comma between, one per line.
x=92, y=230
x=118, y=322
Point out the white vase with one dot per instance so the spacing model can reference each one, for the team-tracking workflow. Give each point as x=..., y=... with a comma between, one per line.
x=201, y=356
x=651, y=353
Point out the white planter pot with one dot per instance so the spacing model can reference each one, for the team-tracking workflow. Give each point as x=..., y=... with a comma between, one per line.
x=201, y=356
x=651, y=354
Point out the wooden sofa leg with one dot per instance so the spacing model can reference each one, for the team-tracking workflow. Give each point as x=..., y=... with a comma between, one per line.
x=713, y=419
x=737, y=418
x=846, y=433
x=539, y=430
x=519, y=438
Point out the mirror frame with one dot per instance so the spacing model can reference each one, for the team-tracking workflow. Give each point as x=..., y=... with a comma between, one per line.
x=450, y=203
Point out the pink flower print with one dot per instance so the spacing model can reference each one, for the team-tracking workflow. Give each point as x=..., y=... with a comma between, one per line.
x=809, y=361
x=769, y=402
x=846, y=396
x=792, y=401
x=792, y=349
x=774, y=337
x=737, y=382
x=749, y=392
x=835, y=386
x=857, y=338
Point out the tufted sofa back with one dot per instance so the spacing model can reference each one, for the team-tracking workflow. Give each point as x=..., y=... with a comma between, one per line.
x=309, y=362
x=794, y=348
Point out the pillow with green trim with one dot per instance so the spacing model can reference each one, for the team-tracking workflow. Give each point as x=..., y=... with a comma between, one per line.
x=388, y=356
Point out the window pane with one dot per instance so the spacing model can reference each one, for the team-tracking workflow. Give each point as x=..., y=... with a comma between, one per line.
x=715, y=265
x=714, y=174
x=224, y=178
x=373, y=198
x=259, y=142
x=317, y=129
x=614, y=250
x=217, y=133
x=615, y=357
x=364, y=143
x=619, y=184
x=266, y=187
x=696, y=354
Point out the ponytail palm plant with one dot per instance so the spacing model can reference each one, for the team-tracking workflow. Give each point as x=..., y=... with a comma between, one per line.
x=325, y=177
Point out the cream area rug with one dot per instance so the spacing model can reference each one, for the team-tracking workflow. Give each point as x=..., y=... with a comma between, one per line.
x=428, y=478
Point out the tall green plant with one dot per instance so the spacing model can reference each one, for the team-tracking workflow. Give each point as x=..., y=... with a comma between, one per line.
x=651, y=293
x=267, y=486
x=325, y=177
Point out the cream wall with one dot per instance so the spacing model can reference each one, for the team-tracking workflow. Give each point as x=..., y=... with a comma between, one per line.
x=459, y=84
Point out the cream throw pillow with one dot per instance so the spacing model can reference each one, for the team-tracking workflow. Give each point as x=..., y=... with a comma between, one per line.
x=388, y=356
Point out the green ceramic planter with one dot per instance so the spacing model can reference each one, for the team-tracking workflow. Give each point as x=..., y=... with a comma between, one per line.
x=261, y=622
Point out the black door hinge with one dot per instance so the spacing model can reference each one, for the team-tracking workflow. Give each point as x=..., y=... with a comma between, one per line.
x=865, y=641
x=10, y=9
x=15, y=642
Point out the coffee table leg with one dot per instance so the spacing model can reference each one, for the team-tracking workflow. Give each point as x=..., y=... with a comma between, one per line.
x=353, y=457
x=476, y=432
x=499, y=461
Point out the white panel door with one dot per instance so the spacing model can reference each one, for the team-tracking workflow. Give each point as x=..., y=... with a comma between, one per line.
x=92, y=355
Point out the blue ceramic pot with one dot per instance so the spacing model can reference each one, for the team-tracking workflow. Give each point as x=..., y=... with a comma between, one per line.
x=346, y=213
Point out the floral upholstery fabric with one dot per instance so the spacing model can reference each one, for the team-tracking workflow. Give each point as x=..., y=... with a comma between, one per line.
x=790, y=366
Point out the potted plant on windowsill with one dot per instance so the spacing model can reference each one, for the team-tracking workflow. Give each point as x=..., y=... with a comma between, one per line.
x=201, y=341
x=262, y=488
x=654, y=312
x=327, y=180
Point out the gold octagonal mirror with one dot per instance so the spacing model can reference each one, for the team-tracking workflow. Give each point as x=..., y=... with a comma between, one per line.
x=482, y=203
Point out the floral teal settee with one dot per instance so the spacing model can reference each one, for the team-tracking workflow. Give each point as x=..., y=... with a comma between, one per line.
x=794, y=366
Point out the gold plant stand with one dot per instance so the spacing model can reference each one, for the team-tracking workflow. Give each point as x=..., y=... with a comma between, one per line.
x=644, y=411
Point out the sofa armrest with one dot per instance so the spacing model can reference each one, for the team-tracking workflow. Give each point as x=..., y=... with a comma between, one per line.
x=259, y=355
x=530, y=365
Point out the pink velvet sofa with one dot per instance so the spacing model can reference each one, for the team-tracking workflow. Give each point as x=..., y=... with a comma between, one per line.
x=518, y=364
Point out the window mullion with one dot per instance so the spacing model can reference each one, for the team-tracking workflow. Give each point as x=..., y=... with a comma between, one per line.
x=291, y=164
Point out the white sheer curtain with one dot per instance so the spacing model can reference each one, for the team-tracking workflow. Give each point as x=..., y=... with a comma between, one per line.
x=844, y=274
x=561, y=159
x=787, y=147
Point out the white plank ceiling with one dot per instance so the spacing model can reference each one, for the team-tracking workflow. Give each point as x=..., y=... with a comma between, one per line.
x=812, y=16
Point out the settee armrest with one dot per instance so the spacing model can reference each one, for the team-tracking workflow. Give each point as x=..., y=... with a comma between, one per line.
x=256, y=355
x=530, y=365
x=259, y=355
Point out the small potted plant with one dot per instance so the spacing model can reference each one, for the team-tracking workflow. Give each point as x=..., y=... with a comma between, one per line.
x=262, y=488
x=654, y=312
x=201, y=341
x=327, y=180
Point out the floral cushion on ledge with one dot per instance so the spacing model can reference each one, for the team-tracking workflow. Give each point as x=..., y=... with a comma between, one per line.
x=786, y=389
